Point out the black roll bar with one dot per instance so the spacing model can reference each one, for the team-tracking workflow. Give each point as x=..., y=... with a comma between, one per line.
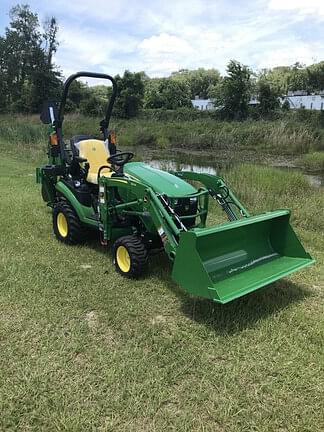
x=105, y=122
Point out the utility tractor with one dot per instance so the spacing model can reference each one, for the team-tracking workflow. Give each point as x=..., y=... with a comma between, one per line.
x=92, y=185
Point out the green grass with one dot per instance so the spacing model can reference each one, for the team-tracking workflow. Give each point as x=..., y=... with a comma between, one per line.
x=82, y=348
x=285, y=136
x=313, y=161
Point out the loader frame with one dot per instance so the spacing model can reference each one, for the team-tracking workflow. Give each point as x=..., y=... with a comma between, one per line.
x=155, y=214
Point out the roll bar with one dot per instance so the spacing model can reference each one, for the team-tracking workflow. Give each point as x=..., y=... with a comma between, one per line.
x=105, y=122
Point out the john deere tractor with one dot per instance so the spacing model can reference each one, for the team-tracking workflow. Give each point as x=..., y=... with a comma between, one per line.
x=91, y=185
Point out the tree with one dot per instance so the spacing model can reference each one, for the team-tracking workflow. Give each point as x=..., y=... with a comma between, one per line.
x=199, y=80
x=50, y=38
x=278, y=77
x=129, y=95
x=27, y=73
x=268, y=97
x=298, y=78
x=235, y=90
x=92, y=106
x=167, y=93
x=78, y=92
x=315, y=75
x=215, y=90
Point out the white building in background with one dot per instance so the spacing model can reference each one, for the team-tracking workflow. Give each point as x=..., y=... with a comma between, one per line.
x=296, y=99
x=254, y=101
x=300, y=99
x=202, y=104
x=208, y=104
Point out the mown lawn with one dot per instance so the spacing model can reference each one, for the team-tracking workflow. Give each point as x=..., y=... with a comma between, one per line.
x=83, y=349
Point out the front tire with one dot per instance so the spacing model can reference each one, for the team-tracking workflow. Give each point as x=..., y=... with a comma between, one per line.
x=130, y=256
x=66, y=224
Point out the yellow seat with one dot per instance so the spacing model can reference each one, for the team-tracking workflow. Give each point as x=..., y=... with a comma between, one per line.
x=96, y=154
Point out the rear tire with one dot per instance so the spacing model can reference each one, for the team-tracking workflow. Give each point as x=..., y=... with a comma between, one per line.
x=66, y=224
x=130, y=256
x=45, y=196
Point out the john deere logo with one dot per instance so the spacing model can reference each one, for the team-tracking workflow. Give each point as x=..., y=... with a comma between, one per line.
x=94, y=149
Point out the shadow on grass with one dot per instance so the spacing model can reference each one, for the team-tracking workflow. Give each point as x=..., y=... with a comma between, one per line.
x=232, y=317
x=246, y=311
x=240, y=314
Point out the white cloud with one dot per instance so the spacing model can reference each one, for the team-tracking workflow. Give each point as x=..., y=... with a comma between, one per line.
x=165, y=44
x=163, y=53
x=159, y=37
x=286, y=54
x=81, y=49
x=303, y=7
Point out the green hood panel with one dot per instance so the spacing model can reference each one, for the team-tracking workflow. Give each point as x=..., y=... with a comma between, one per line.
x=159, y=181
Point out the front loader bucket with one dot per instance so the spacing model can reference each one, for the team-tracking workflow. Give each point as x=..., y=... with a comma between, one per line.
x=227, y=261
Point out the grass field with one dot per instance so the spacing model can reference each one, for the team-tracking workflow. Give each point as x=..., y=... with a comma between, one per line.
x=82, y=348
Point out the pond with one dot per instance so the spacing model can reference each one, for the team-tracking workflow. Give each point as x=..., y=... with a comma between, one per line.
x=212, y=164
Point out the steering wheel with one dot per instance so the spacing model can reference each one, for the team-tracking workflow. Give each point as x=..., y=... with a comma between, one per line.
x=120, y=159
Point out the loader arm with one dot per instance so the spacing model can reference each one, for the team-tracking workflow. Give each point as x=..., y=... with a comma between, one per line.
x=219, y=191
x=143, y=203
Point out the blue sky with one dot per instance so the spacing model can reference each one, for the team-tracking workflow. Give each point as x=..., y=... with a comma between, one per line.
x=163, y=36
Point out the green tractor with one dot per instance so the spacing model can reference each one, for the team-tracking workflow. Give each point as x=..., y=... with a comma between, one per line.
x=90, y=185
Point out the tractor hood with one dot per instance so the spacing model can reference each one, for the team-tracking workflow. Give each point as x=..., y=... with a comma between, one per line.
x=160, y=181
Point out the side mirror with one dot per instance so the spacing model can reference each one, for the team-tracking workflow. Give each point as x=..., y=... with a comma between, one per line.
x=49, y=112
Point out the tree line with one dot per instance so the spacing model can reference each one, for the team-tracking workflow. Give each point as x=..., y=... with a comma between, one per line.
x=28, y=76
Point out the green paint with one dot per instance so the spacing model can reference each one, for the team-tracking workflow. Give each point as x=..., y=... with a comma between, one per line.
x=160, y=181
x=236, y=258
x=85, y=214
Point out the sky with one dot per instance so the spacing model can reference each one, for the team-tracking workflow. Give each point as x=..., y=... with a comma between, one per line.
x=160, y=37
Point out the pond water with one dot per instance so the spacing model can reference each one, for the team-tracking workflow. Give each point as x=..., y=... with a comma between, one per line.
x=208, y=164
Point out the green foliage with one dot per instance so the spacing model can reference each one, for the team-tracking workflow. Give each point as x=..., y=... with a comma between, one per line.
x=235, y=90
x=130, y=94
x=27, y=74
x=78, y=92
x=313, y=161
x=167, y=93
x=297, y=77
x=200, y=81
x=93, y=106
x=176, y=91
x=215, y=91
x=287, y=135
x=315, y=75
x=179, y=114
x=268, y=98
x=278, y=77
x=163, y=142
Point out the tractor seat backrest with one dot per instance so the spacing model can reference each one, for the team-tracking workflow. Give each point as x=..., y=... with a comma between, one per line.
x=77, y=138
x=96, y=153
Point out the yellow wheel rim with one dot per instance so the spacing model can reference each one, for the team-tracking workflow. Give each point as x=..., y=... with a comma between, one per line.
x=123, y=259
x=62, y=225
